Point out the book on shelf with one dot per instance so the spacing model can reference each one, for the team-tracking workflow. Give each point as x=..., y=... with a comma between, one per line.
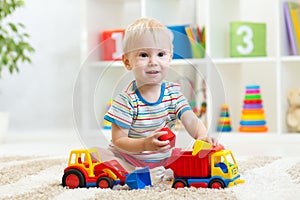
x=296, y=24
x=292, y=22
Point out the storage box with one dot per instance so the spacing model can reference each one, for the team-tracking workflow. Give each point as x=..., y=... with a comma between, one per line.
x=182, y=47
x=247, y=39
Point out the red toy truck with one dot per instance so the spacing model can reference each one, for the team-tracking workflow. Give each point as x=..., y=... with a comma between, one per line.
x=213, y=168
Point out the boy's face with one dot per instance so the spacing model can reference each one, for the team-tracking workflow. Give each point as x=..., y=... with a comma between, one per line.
x=149, y=65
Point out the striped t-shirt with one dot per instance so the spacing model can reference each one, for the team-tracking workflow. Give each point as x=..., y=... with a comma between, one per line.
x=131, y=111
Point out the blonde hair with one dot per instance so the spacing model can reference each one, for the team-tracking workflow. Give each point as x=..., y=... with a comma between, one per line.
x=147, y=33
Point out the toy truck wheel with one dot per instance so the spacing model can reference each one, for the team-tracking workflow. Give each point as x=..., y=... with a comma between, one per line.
x=216, y=184
x=105, y=182
x=179, y=184
x=73, y=179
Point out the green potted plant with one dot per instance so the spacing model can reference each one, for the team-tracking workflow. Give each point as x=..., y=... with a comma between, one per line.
x=14, y=49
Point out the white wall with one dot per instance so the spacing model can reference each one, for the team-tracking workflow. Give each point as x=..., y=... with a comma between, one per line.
x=40, y=96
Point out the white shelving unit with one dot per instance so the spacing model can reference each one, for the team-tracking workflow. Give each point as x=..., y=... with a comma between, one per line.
x=275, y=73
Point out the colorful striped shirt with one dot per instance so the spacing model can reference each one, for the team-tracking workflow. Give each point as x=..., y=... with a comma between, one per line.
x=131, y=111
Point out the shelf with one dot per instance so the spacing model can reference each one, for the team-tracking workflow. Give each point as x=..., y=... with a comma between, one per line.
x=244, y=60
x=290, y=59
x=276, y=73
x=179, y=62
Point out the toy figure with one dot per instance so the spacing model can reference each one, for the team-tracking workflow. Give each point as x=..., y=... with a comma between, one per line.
x=293, y=111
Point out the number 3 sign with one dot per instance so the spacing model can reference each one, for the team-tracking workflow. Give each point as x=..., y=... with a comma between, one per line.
x=247, y=39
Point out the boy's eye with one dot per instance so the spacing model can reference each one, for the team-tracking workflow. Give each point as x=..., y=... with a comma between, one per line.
x=161, y=54
x=143, y=55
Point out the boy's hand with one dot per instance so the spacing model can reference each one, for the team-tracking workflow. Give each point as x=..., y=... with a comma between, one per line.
x=152, y=143
x=211, y=140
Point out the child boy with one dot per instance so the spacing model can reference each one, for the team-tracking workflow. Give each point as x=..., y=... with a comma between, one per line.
x=149, y=103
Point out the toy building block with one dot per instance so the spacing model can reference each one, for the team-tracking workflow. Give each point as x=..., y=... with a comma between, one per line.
x=106, y=124
x=202, y=109
x=240, y=48
x=253, y=117
x=169, y=136
x=200, y=145
x=112, y=44
x=139, y=179
x=224, y=124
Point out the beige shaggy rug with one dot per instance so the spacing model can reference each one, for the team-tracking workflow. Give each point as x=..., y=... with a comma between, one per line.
x=40, y=178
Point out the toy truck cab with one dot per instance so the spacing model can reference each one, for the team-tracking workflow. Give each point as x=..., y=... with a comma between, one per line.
x=85, y=169
x=85, y=159
x=224, y=169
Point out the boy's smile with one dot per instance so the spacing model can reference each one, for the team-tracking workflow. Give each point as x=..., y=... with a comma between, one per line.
x=152, y=72
x=150, y=66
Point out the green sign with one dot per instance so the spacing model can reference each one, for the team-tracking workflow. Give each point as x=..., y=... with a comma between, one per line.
x=247, y=39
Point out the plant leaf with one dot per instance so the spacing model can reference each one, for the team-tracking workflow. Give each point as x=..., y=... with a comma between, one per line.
x=13, y=27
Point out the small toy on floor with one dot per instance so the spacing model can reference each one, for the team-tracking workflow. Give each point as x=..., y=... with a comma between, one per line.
x=85, y=169
x=224, y=124
x=205, y=166
x=253, y=115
